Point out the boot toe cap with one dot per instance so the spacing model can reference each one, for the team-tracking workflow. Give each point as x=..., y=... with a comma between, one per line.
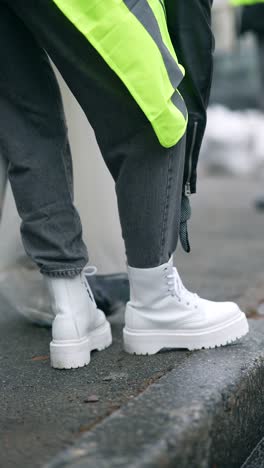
x=219, y=312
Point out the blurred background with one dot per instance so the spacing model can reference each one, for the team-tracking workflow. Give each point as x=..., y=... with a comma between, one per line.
x=234, y=141
x=229, y=189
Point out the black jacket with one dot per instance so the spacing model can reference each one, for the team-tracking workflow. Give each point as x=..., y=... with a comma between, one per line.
x=189, y=24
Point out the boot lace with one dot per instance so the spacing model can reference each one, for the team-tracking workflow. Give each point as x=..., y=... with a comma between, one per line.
x=89, y=270
x=177, y=289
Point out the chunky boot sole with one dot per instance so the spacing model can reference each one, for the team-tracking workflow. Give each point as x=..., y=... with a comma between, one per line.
x=152, y=341
x=71, y=354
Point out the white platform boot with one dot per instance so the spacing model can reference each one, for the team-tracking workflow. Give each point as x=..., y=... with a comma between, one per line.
x=79, y=327
x=162, y=313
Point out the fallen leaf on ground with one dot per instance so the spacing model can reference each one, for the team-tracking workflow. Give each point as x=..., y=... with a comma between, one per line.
x=40, y=358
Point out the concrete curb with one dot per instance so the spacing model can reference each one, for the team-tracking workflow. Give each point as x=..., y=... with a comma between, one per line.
x=209, y=412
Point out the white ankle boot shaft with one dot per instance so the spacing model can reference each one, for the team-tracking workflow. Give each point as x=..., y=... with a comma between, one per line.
x=79, y=326
x=162, y=311
x=157, y=297
x=74, y=308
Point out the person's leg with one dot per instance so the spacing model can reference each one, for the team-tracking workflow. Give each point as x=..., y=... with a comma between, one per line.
x=20, y=75
x=149, y=189
x=187, y=321
x=33, y=139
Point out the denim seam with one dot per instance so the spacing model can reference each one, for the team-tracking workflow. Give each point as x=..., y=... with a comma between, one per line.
x=58, y=270
x=166, y=207
x=71, y=272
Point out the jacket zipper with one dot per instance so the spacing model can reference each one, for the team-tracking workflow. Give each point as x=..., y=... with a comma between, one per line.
x=187, y=189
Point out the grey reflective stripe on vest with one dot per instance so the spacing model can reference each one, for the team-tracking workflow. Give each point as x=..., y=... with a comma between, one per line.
x=179, y=103
x=144, y=14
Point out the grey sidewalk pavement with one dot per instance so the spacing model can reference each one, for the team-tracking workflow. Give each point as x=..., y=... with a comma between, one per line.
x=43, y=411
x=206, y=413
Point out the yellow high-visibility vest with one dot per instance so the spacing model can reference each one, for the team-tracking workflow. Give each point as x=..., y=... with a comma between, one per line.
x=133, y=39
x=246, y=2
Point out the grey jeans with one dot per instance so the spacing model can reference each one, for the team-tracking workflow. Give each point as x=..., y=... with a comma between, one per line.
x=33, y=138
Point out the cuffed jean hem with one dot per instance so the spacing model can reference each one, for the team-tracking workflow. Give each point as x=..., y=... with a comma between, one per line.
x=67, y=273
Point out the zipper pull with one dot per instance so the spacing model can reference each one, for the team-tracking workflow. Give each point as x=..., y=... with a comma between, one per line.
x=187, y=189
